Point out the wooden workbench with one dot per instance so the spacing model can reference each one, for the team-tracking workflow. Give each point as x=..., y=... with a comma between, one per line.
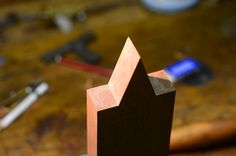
x=56, y=124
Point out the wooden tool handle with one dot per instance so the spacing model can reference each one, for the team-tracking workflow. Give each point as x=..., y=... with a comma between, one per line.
x=202, y=134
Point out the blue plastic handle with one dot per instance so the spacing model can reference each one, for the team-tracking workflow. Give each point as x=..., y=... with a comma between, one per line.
x=182, y=68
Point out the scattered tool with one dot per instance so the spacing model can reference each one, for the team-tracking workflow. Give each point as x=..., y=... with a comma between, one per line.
x=63, y=23
x=62, y=19
x=189, y=71
x=23, y=105
x=14, y=96
x=169, y=6
x=200, y=135
x=86, y=67
x=77, y=46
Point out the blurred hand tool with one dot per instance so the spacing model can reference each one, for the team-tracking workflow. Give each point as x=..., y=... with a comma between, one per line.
x=77, y=46
x=86, y=67
x=169, y=6
x=189, y=70
x=14, y=96
x=40, y=89
x=18, y=95
x=63, y=19
x=200, y=135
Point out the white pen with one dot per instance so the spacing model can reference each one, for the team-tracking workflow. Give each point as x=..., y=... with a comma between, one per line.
x=23, y=105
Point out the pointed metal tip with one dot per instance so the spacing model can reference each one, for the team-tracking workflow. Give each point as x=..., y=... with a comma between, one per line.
x=128, y=39
x=124, y=70
x=129, y=43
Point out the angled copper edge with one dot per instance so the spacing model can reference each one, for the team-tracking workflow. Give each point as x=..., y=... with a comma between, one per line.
x=127, y=63
x=110, y=96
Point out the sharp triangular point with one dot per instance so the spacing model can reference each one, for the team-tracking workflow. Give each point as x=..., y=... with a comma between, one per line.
x=124, y=70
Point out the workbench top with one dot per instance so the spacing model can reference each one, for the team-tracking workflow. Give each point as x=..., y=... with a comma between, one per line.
x=56, y=123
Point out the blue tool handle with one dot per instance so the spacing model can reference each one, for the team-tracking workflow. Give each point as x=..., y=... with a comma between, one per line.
x=182, y=68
